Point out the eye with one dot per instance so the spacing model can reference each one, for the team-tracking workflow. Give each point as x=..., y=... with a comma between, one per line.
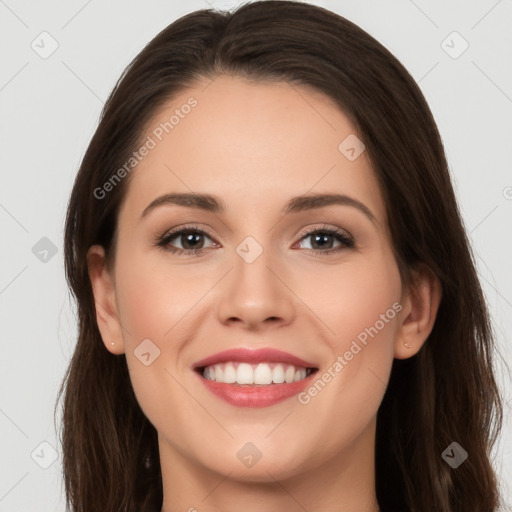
x=323, y=238
x=191, y=239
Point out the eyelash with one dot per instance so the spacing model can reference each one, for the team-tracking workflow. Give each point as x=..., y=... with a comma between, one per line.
x=164, y=241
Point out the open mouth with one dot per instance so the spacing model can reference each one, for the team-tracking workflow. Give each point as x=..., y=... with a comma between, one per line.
x=260, y=374
x=245, y=377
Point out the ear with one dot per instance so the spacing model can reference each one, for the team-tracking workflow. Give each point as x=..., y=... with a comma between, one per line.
x=103, y=287
x=419, y=311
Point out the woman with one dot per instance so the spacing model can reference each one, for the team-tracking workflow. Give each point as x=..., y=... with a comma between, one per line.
x=264, y=237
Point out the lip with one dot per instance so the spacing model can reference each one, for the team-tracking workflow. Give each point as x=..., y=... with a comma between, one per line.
x=254, y=395
x=254, y=356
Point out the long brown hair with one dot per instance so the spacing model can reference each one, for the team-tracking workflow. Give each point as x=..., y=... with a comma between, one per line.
x=447, y=392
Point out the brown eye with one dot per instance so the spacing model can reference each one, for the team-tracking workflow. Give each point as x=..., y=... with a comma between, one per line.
x=191, y=240
x=322, y=240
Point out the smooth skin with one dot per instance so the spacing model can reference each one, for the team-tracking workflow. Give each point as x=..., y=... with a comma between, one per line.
x=255, y=145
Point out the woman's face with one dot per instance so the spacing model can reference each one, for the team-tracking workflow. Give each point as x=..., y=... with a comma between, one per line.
x=254, y=281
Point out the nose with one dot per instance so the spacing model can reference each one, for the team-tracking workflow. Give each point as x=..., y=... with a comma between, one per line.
x=256, y=295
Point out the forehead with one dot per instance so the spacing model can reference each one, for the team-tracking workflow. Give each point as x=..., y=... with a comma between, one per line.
x=251, y=143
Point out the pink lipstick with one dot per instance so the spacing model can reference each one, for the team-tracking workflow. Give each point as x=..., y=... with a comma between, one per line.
x=254, y=377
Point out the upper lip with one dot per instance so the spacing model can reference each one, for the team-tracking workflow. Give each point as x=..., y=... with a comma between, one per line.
x=253, y=356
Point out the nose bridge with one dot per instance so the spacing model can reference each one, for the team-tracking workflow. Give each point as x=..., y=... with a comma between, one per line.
x=252, y=275
x=254, y=292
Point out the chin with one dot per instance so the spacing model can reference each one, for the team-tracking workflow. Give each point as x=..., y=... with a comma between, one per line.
x=250, y=464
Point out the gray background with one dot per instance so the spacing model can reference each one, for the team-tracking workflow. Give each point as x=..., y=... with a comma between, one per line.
x=49, y=109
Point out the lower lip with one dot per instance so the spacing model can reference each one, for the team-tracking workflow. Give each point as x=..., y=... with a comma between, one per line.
x=255, y=396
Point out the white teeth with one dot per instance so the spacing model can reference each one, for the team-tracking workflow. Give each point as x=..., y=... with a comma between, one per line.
x=299, y=375
x=278, y=374
x=229, y=374
x=262, y=374
x=290, y=374
x=244, y=374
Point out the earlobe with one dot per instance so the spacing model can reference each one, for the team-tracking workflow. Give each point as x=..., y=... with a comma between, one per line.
x=419, y=313
x=104, y=300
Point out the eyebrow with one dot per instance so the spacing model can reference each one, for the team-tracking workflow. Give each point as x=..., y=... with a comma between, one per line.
x=296, y=204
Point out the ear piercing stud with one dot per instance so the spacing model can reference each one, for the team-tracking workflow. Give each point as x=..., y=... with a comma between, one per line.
x=406, y=345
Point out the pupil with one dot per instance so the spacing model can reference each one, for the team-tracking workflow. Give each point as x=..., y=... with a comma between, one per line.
x=318, y=236
x=189, y=238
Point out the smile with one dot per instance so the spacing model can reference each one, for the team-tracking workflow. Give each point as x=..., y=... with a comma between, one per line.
x=246, y=377
x=262, y=374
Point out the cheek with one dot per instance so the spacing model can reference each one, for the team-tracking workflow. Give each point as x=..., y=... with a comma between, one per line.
x=154, y=297
x=361, y=303
x=371, y=292
x=346, y=394
x=155, y=305
x=363, y=313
